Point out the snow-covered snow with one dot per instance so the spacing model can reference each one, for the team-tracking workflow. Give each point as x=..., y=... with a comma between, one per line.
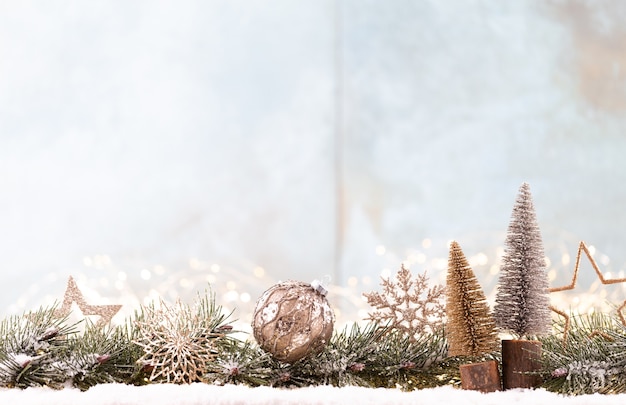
x=202, y=394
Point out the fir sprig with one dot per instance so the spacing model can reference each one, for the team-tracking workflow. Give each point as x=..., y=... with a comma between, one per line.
x=591, y=360
x=30, y=347
x=346, y=357
x=369, y=356
x=240, y=363
x=100, y=356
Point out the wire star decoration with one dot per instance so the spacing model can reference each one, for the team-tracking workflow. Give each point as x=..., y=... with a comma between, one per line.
x=73, y=294
x=582, y=247
x=178, y=344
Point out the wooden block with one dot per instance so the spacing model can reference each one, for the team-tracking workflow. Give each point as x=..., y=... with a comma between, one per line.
x=483, y=377
x=519, y=359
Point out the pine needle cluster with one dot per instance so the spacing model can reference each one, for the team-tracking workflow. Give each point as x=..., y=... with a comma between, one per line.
x=31, y=347
x=591, y=360
x=367, y=356
x=38, y=349
x=241, y=363
x=100, y=356
x=375, y=356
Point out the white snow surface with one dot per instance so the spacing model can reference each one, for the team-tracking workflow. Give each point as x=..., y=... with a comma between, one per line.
x=203, y=394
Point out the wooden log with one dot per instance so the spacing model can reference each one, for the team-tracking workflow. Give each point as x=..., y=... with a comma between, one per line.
x=520, y=358
x=484, y=377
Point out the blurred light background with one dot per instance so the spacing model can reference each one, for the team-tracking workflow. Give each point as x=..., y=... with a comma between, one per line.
x=156, y=148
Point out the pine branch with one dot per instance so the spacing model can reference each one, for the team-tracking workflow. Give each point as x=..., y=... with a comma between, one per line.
x=30, y=346
x=240, y=363
x=344, y=357
x=401, y=361
x=592, y=361
x=100, y=356
x=371, y=356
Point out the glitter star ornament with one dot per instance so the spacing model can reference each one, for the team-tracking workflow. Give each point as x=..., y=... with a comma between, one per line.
x=73, y=294
x=293, y=320
x=408, y=304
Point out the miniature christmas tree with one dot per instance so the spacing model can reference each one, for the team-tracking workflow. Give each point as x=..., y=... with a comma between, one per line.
x=471, y=329
x=522, y=302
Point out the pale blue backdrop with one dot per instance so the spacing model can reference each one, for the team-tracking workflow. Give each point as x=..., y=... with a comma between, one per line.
x=150, y=149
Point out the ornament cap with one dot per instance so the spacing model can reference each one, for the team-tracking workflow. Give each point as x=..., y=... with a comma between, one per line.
x=317, y=286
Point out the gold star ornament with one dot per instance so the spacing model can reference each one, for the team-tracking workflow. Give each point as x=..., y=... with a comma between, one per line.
x=73, y=294
x=582, y=247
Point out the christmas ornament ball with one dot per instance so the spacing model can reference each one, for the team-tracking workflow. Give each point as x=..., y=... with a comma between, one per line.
x=292, y=320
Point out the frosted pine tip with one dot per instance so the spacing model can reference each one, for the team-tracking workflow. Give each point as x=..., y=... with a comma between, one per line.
x=48, y=334
x=357, y=367
x=407, y=365
x=23, y=359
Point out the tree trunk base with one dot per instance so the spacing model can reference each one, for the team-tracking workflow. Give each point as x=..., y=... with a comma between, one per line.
x=484, y=377
x=520, y=358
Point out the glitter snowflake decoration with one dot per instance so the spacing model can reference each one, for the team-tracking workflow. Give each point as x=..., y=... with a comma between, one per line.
x=408, y=304
x=180, y=344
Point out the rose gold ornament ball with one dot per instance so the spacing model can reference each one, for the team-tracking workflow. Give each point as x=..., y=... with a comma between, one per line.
x=292, y=320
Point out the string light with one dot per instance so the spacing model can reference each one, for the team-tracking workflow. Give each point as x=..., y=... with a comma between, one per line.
x=135, y=283
x=145, y=274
